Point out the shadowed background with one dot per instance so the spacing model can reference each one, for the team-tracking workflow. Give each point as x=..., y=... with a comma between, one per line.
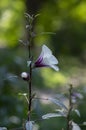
x=67, y=19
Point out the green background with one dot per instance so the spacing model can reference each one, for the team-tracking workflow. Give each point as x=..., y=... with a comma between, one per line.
x=67, y=19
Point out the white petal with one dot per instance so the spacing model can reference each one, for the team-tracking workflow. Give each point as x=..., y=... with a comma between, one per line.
x=55, y=67
x=75, y=126
x=46, y=61
x=52, y=59
x=46, y=51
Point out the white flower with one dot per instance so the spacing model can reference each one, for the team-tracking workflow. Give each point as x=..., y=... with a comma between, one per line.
x=46, y=59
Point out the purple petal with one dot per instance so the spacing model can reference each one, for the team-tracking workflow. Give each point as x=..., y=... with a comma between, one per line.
x=39, y=62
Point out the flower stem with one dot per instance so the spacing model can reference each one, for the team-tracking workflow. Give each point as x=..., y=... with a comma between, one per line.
x=70, y=108
x=30, y=85
x=30, y=93
x=30, y=67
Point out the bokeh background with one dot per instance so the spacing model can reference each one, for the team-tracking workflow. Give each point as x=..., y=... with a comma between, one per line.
x=67, y=19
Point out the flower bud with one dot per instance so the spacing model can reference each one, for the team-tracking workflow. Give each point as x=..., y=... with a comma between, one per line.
x=25, y=76
x=77, y=95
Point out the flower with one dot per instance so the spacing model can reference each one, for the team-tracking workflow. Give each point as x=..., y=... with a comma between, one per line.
x=46, y=59
x=77, y=95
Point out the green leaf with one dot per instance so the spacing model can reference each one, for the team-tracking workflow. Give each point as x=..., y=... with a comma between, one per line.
x=57, y=102
x=29, y=125
x=51, y=115
x=77, y=112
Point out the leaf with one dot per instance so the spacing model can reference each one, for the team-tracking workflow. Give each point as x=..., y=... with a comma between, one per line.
x=51, y=115
x=60, y=96
x=77, y=112
x=62, y=112
x=22, y=94
x=47, y=33
x=11, y=77
x=57, y=102
x=84, y=123
x=25, y=95
x=28, y=63
x=22, y=42
x=27, y=26
x=36, y=15
x=29, y=125
x=75, y=126
x=28, y=16
x=3, y=128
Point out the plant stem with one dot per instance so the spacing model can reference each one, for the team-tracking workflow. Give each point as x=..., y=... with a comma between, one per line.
x=70, y=108
x=30, y=67
x=30, y=85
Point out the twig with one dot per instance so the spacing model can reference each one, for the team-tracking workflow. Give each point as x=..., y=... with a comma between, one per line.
x=30, y=72
x=70, y=108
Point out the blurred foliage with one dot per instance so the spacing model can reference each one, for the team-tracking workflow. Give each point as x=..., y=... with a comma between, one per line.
x=11, y=21
x=68, y=20
x=11, y=109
